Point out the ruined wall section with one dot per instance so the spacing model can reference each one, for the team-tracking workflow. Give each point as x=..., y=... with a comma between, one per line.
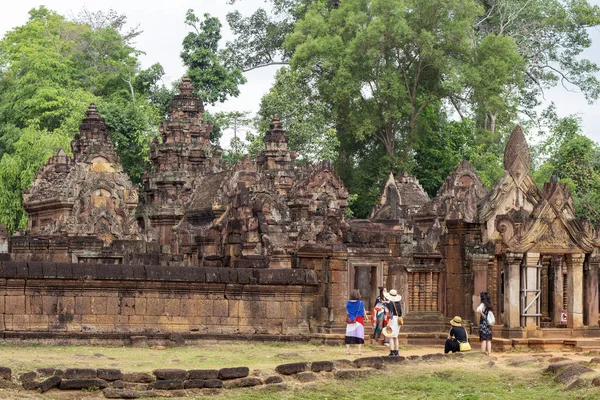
x=84, y=299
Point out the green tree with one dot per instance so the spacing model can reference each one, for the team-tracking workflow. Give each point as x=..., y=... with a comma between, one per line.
x=215, y=79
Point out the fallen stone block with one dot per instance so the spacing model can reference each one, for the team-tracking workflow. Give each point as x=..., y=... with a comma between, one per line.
x=570, y=373
x=393, y=360
x=213, y=383
x=112, y=393
x=369, y=362
x=307, y=376
x=293, y=368
x=577, y=384
x=559, y=366
x=433, y=356
x=31, y=385
x=50, y=383
x=28, y=376
x=79, y=384
x=233, y=373
x=413, y=358
x=194, y=374
x=137, y=377
x=8, y=384
x=80, y=373
x=170, y=374
x=194, y=384
x=352, y=373
x=270, y=380
x=343, y=364
x=166, y=384
x=320, y=366
x=242, y=382
x=5, y=373
x=109, y=374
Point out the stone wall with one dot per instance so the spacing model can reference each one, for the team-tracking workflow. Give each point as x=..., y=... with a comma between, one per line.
x=96, y=299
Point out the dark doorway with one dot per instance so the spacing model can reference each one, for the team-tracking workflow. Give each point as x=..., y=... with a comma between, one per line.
x=365, y=280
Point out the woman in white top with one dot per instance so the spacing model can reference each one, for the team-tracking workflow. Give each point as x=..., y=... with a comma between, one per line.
x=485, y=329
x=393, y=328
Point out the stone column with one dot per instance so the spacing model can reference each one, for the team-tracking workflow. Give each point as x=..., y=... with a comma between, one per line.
x=512, y=287
x=480, y=268
x=575, y=290
x=591, y=292
x=545, y=288
x=557, y=300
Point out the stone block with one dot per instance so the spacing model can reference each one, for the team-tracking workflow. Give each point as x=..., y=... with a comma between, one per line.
x=139, y=341
x=306, y=376
x=28, y=376
x=194, y=384
x=36, y=271
x=369, y=362
x=137, y=377
x=64, y=270
x=80, y=373
x=213, y=383
x=293, y=368
x=170, y=374
x=79, y=384
x=233, y=373
x=203, y=374
x=273, y=379
x=5, y=373
x=168, y=384
x=109, y=374
x=31, y=385
x=320, y=366
x=352, y=373
x=112, y=393
x=243, y=382
x=571, y=373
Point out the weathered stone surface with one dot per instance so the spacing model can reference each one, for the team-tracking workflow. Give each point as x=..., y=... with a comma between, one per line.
x=293, y=368
x=7, y=384
x=554, y=360
x=433, y=356
x=343, y=364
x=170, y=374
x=109, y=374
x=112, y=393
x=596, y=381
x=137, y=377
x=5, y=373
x=213, y=383
x=139, y=341
x=413, y=358
x=194, y=384
x=306, y=376
x=522, y=360
x=78, y=384
x=80, y=373
x=233, y=373
x=31, y=385
x=242, y=382
x=394, y=360
x=570, y=373
x=50, y=371
x=319, y=366
x=50, y=383
x=196, y=374
x=273, y=379
x=167, y=384
x=369, y=362
x=28, y=376
x=352, y=373
x=559, y=366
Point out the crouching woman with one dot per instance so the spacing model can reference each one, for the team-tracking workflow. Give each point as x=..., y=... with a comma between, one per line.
x=456, y=336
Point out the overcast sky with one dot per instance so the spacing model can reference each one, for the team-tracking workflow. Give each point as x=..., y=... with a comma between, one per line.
x=163, y=31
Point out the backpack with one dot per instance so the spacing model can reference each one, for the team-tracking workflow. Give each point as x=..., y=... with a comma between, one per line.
x=491, y=320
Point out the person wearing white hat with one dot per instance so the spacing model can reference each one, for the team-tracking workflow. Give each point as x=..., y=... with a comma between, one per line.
x=393, y=328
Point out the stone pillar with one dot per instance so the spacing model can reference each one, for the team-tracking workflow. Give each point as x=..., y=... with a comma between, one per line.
x=575, y=290
x=545, y=288
x=590, y=311
x=512, y=288
x=532, y=285
x=557, y=300
x=480, y=268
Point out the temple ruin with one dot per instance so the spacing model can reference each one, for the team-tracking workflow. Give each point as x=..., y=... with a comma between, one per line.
x=263, y=249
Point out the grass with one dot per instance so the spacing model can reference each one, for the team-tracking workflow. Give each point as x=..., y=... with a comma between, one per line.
x=472, y=377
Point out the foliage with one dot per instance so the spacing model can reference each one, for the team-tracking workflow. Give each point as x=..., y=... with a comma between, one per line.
x=303, y=115
x=51, y=69
x=214, y=78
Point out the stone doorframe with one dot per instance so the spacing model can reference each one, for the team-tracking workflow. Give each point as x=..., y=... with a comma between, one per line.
x=375, y=283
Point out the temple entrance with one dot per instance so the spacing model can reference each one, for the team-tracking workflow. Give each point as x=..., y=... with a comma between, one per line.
x=368, y=279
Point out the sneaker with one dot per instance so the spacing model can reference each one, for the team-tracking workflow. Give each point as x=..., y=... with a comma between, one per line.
x=386, y=344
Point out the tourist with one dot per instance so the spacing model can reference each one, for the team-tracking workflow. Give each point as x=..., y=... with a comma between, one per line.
x=485, y=329
x=355, y=327
x=379, y=318
x=456, y=336
x=395, y=312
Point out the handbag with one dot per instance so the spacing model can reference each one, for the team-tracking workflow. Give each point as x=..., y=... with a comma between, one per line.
x=491, y=319
x=400, y=319
x=465, y=346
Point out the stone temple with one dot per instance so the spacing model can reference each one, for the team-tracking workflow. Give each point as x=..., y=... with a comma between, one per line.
x=263, y=250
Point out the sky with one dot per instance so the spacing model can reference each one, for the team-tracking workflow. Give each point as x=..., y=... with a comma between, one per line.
x=162, y=23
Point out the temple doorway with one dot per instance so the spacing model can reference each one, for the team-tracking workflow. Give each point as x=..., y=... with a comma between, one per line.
x=368, y=279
